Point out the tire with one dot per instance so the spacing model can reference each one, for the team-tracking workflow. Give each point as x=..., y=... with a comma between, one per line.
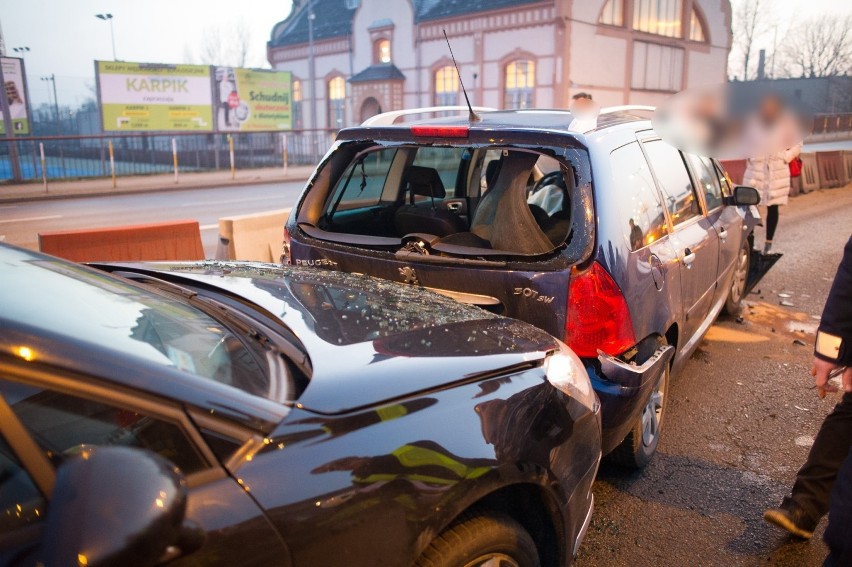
x=638, y=448
x=736, y=293
x=488, y=539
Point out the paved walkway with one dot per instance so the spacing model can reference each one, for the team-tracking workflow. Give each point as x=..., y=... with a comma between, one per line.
x=148, y=183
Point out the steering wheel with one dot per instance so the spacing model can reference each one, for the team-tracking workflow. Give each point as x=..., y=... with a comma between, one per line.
x=552, y=178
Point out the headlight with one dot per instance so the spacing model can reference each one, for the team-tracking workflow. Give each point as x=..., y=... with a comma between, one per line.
x=566, y=372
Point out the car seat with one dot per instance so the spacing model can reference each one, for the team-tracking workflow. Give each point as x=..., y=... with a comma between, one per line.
x=429, y=219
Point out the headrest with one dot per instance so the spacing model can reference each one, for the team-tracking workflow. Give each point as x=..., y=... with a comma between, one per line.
x=425, y=181
x=492, y=170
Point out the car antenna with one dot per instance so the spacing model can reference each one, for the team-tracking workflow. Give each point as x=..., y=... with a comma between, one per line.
x=473, y=117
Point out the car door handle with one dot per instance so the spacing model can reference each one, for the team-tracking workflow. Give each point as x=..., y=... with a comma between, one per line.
x=688, y=257
x=723, y=234
x=454, y=207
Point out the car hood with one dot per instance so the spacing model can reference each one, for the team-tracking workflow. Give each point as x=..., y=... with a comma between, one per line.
x=369, y=340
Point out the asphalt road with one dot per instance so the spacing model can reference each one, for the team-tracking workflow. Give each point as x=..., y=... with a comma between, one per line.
x=20, y=223
x=740, y=420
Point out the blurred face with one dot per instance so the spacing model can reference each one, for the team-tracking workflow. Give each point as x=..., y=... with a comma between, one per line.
x=582, y=105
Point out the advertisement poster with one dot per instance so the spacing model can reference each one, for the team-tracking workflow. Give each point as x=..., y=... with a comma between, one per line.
x=252, y=99
x=16, y=95
x=143, y=97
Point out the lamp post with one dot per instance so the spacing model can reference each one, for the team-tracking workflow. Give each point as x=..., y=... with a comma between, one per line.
x=108, y=18
x=312, y=78
x=52, y=79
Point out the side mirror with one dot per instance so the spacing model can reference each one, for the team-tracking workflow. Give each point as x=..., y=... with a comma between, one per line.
x=114, y=506
x=744, y=196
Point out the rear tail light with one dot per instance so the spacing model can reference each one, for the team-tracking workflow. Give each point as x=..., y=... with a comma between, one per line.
x=285, y=247
x=440, y=131
x=598, y=318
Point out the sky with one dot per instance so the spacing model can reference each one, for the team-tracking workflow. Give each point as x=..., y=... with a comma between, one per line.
x=65, y=37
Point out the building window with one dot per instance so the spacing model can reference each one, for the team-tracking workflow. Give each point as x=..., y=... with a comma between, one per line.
x=696, y=30
x=298, y=123
x=336, y=102
x=661, y=17
x=446, y=86
x=520, y=82
x=382, y=51
x=657, y=67
x=613, y=13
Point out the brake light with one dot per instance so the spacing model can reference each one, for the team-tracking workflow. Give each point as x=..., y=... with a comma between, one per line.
x=285, y=247
x=598, y=317
x=440, y=131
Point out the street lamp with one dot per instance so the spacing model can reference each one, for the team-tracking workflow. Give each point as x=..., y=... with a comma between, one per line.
x=52, y=79
x=312, y=77
x=108, y=18
x=21, y=50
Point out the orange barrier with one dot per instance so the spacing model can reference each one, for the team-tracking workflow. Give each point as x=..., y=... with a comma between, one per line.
x=831, y=170
x=735, y=168
x=176, y=240
x=256, y=237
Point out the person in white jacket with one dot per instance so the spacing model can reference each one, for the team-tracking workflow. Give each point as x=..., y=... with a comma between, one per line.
x=770, y=174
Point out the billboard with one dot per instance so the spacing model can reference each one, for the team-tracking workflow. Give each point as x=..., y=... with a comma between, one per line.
x=252, y=99
x=15, y=88
x=154, y=97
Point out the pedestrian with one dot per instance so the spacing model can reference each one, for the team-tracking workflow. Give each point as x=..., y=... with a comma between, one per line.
x=770, y=174
x=801, y=511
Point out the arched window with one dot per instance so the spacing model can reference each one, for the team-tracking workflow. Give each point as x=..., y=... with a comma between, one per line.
x=336, y=102
x=446, y=86
x=520, y=84
x=660, y=17
x=613, y=13
x=696, y=29
x=382, y=51
x=296, y=97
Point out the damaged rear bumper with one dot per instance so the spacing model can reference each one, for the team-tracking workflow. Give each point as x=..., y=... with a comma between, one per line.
x=624, y=389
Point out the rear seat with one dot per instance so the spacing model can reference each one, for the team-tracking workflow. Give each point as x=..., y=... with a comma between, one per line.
x=428, y=219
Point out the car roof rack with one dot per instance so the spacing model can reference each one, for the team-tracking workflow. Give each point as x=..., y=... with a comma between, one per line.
x=388, y=118
x=626, y=108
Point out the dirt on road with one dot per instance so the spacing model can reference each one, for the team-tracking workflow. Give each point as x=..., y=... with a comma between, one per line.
x=739, y=422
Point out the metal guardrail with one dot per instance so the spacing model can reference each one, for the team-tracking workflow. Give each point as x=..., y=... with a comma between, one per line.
x=74, y=157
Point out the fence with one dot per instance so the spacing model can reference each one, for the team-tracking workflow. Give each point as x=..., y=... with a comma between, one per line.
x=70, y=157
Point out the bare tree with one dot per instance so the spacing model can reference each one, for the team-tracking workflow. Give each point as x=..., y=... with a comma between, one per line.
x=750, y=23
x=818, y=47
x=224, y=46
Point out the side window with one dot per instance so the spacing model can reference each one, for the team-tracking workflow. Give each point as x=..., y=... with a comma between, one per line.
x=21, y=503
x=667, y=163
x=645, y=220
x=63, y=424
x=707, y=180
x=362, y=183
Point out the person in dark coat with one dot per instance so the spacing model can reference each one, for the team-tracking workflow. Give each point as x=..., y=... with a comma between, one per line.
x=829, y=463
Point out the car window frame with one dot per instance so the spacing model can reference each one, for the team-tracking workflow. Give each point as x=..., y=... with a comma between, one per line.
x=653, y=137
x=694, y=178
x=114, y=395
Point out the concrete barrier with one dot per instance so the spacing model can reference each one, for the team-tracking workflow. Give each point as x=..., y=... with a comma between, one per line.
x=847, y=164
x=254, y=237
x=810, y=172
x=735, y=168
x=176, y=240
x=831, y=170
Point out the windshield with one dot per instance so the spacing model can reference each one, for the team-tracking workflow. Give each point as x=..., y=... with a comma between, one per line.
x=57, y=296
x=471, y=199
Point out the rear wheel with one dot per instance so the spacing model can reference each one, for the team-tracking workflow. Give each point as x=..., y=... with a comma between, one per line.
x=639, y=446
x=482, y=539
x=736, y=294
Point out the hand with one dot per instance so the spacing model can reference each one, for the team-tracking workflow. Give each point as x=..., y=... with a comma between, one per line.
x=820, y=371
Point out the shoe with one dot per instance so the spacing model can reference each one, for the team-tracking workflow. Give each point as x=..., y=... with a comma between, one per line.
x=792, y=519
x=767, y=247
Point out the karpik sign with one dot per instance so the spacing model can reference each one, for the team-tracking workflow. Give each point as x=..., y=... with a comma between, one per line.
x=154, y=97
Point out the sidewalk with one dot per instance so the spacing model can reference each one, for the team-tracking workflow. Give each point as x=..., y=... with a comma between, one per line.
x=149, y=183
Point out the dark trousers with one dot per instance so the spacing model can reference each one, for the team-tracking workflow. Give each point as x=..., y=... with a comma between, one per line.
x=838, y=534
x=815, y=479
x=771, y=221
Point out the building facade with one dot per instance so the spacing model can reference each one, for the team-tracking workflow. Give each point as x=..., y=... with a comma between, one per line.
x=370, y=56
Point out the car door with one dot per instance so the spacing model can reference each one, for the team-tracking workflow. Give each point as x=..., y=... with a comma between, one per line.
x=694, y=238
x=727, y=221
x=61, y=421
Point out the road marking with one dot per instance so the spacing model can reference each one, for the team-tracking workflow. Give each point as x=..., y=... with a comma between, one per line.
x=30, y=219
x=9, y=207
x=230, y=201
x=208, y=226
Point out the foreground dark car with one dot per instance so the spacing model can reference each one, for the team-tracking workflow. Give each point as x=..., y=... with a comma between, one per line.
x=597, y=232
x=224, y=414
